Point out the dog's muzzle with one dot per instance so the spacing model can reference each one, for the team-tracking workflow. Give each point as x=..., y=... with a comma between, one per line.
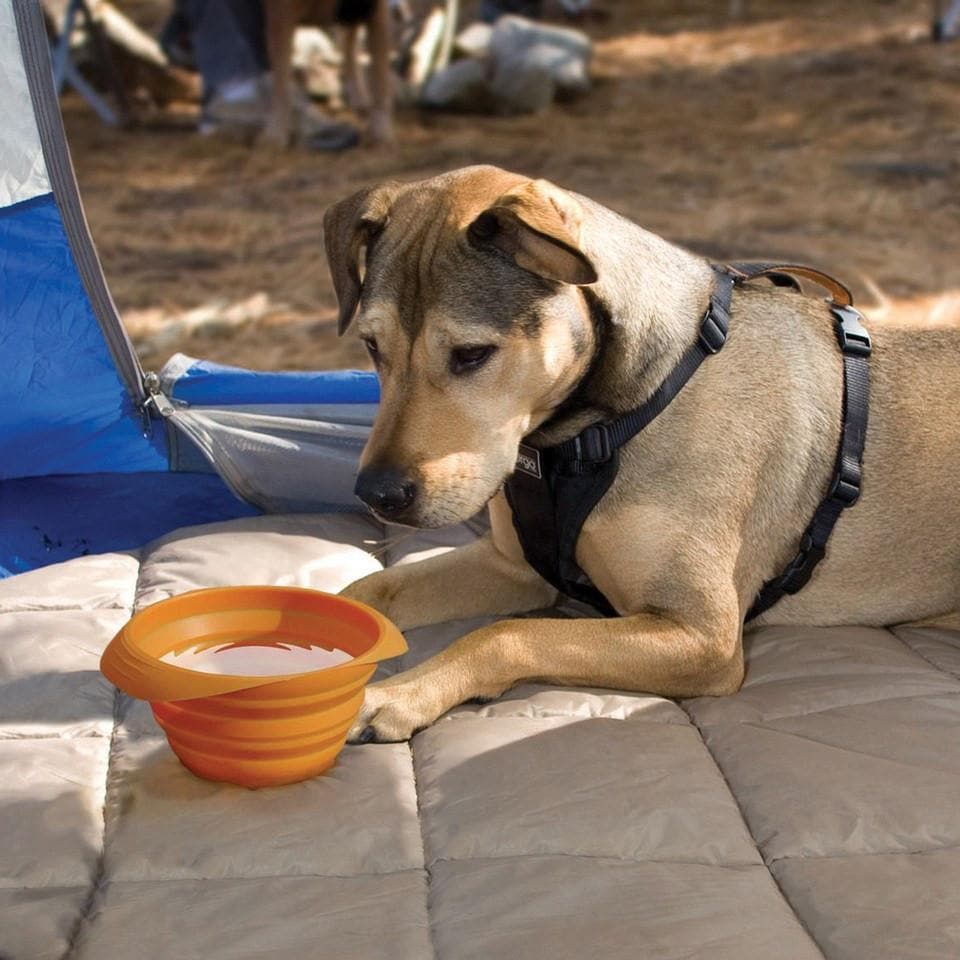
x=385, y=490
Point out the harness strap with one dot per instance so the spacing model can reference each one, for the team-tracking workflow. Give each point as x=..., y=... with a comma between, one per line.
x=847, y=478
x=596, y=442
x=782, y=274
x=554, y=489
x=844, y=490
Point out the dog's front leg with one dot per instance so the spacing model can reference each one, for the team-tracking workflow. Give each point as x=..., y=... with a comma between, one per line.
x=472, y=581
x=644, y=652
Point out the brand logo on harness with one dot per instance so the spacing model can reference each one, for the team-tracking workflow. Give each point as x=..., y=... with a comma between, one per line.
x=528, y=461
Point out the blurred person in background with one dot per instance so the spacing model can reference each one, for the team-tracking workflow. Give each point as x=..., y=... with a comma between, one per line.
x=225, y=41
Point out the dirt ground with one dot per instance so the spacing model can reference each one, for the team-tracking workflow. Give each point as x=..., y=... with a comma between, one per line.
x=826, y=132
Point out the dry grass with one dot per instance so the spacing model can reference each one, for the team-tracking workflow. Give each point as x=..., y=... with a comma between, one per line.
x=825, y=131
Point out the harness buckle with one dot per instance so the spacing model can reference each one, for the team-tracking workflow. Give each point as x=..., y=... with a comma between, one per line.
x=713, y=328
x=798, y=574
x=846, y=483
x=593, y=445
x=851, y=333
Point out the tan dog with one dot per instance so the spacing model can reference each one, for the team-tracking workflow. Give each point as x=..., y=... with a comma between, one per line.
x=282, y=19
x=552, y=312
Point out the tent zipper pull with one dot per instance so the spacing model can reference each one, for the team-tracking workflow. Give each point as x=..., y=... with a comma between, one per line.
x=154, y=399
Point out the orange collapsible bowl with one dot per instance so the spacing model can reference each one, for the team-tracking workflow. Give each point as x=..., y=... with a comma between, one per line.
x=255, y=731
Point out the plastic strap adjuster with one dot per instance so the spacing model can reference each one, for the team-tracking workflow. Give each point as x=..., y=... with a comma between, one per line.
x=593, y=445
x=798, y=574
x=846, y=483
x=853, y=336
x=713, y=328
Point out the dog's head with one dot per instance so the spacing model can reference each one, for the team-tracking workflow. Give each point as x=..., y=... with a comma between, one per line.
x=466, y=291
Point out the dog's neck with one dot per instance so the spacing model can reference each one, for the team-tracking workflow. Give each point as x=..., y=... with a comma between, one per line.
x=646, y=309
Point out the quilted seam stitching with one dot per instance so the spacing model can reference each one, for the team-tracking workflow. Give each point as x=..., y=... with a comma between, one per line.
x=837, y=706
x=99, y=874
x=924, y=657
x=787, y=858
x=786, y=900
x=423, y=851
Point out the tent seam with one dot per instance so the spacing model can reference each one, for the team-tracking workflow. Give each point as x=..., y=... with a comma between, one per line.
x=35, y=55
x=11, y=209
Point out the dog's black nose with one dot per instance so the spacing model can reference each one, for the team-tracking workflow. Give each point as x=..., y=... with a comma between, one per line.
x=385, y=490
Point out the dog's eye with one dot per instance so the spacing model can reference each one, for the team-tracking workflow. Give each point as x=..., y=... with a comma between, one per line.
x=372, y=348
x=464, y=359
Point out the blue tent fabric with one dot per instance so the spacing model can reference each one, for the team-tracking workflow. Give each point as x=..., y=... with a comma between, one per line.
x=46, y=520
x=85, y=459
x=63, y=406
x=205, y=383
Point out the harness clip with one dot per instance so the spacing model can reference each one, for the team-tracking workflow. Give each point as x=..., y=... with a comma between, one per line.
x=846, y=484
x=798, y=574
x=593, y=445
x=851, y=333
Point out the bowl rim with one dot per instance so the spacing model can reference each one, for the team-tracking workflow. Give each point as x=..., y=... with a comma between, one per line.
x=147, y=677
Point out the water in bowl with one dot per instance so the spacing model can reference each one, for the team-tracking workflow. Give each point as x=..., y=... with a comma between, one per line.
x=262, y=659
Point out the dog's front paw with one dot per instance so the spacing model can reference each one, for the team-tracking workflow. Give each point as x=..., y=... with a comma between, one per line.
x=390, y=714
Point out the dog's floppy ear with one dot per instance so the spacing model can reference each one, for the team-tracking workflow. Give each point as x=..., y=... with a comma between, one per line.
x=347, y=228
x=538, y=225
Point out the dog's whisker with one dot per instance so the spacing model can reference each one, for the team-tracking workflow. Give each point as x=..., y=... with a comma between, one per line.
x=379, y=548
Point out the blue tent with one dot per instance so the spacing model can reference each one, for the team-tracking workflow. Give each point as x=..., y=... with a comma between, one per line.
x=95, y=453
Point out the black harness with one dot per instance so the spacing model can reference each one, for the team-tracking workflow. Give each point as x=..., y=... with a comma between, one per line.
x=553, y=489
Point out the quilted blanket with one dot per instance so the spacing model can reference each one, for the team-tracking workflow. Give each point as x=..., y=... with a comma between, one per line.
x=814, y=814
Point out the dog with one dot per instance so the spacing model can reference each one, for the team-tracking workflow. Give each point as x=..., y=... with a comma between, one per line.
x=282, y=19
x=500, y=310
